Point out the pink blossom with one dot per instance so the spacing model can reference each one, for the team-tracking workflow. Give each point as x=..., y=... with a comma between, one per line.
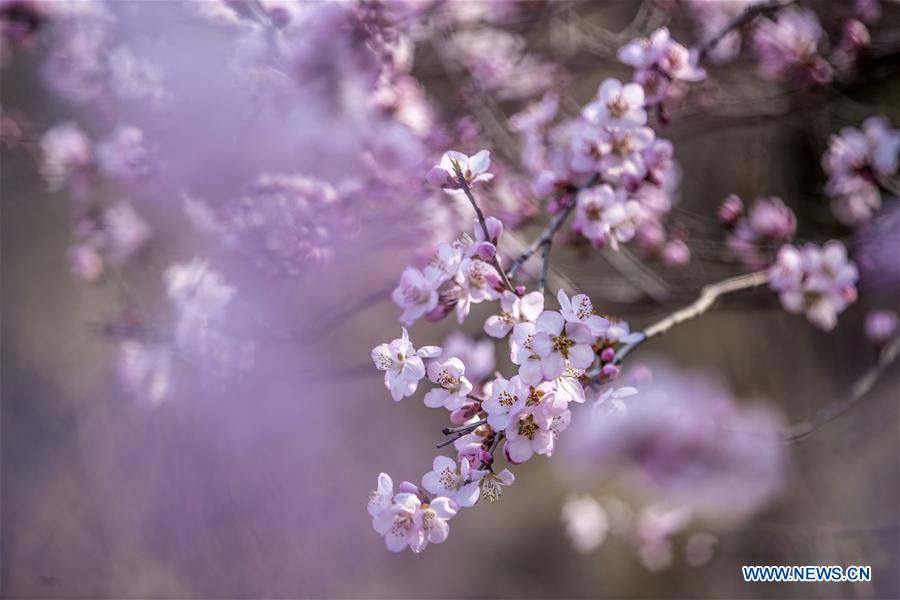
x=410, y=522
x=817, y=281
x=415, y=294
x=660, y=62
x=856, y=161
x=514, y=309
x=472, y=168
x=458, y=483
x=454, y=387
x=558, y=343
x=532, y=431
x=605, y=216
x=754, y=237
x=788, y=46
x=477, y=281
x=68, y=155
x=492, y=484
x=581, y=310
x=617, y=105
x=402, y=364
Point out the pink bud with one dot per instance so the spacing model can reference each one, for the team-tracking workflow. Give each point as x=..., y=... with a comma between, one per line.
x=520, y=290
x=855, y=35
x=458, y=416
x=494, y=228
x=676, y=254
x=607, y=355
x=731, y=210
x=485, y=457
x=438, y=176
x=408, y=488
x=651, y=237
x=609, y=372
x=437, y=313
x=486, y=251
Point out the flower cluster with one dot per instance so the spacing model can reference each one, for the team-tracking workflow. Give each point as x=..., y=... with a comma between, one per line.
x=623, y=175
x=787, y=46
x=818, y=281
x=662, y=66
x=553, y=350
x=859, y=163
x=756, y=236
x=461, y=273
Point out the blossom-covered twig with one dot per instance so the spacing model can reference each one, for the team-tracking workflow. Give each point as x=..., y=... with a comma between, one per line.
x=467, y=190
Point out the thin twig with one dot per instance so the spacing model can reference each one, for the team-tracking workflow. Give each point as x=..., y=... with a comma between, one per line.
x=495, y=262
x=546, y=236
x=708, y=296
x=464, y=428
x=800, y=431
x=545, y=264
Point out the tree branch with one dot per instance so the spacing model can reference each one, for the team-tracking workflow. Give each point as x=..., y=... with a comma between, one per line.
x=495, y=262
x=708, y=296
x=800, y=431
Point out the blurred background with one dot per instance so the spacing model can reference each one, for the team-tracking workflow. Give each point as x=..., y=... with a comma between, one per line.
x=249, y=478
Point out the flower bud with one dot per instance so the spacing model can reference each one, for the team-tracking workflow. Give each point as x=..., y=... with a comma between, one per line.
x=607, y=355
x=731, y=210
x=485, y=251
x=494, y=228
x=609, y=372
x=437, y=313
x=408, y=488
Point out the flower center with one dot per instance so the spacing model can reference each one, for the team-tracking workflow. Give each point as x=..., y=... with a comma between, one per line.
x=447, y=478
x=447, y=381
x=527, y=427
x=561, y=344
x=617, y=107
x=534, y=396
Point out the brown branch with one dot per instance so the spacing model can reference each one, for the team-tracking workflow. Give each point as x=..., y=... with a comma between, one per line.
x=495, y=262
x=708, y=296
x=800, y=431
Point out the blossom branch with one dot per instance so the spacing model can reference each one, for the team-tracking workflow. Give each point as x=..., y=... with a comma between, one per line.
x=545, y=265
x=467, y=190
x=708, y=296
x=545, y=238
